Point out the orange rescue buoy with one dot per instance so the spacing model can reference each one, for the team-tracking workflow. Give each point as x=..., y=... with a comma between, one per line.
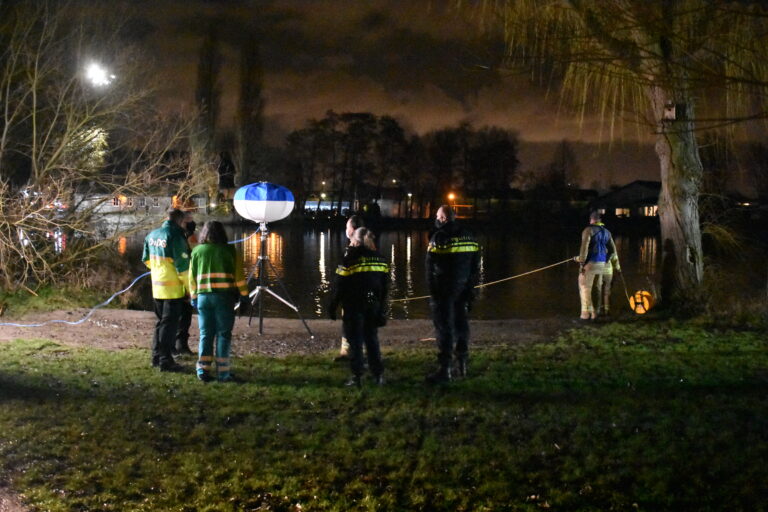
x=641, y=302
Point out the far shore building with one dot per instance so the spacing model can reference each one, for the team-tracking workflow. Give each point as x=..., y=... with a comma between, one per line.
x=636, y=200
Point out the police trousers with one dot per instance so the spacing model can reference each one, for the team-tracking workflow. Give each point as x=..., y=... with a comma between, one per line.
x=361, y=329
x=449, y=314
x=168, y=313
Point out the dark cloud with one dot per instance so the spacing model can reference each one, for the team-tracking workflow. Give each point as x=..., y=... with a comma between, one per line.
x=425, y=65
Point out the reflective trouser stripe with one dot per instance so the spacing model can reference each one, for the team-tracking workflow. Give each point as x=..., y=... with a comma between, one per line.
x=204, y=363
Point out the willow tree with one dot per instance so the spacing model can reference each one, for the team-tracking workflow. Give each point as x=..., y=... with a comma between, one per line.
x=659, y=64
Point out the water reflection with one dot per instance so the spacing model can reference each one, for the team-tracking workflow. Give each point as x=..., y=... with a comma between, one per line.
x=649, y=255
x=325, y=284
x=321, y=262
x=252, y=251
x=408, y=271
x=305, y=260
x=393, y=265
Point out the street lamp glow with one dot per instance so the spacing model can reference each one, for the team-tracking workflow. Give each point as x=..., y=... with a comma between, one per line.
x=97, y=75
x=451, y=196
x=410, y=195
x=322, y=196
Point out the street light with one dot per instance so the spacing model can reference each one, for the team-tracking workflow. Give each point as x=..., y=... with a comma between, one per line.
x=98, y=75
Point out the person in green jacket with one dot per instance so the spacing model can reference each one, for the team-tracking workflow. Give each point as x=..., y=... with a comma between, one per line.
x=167, y=255
x=216, y=281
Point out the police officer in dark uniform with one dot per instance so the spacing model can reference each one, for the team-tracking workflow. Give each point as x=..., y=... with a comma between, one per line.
x=453, y=270
x=185, y=321
x=361, y=287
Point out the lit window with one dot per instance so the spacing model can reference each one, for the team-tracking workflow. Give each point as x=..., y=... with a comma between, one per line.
x=622, y=212
x=651, y=211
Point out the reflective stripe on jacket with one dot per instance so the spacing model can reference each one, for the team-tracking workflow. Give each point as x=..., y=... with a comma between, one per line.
x=216, y=268
x=454, y=244
x=361, y=282
x=453, y=261
x=167, y=255
x=374, y=264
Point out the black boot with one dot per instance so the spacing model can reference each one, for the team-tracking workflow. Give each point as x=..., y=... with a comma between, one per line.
x=461, y=367
x=354, y=382
x=182, y=349
x=443, y=374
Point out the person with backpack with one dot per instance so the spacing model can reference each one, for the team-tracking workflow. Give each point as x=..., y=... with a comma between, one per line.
x=597, y=261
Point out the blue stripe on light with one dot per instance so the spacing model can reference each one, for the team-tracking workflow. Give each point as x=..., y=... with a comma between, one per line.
x=263, y=191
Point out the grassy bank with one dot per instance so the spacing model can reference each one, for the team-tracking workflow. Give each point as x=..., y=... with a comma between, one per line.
x=620, y=417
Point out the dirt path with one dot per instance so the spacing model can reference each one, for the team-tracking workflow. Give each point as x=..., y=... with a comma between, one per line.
x=115, y=329
x=9, y=502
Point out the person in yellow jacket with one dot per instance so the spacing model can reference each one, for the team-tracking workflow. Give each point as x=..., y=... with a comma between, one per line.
x=216, y=281
x=166, y=253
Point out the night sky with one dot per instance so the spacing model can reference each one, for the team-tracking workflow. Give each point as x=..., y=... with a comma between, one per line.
x=414, y=60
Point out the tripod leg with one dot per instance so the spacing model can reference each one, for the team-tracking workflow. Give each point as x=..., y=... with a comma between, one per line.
x=256, y=296
x=262, y=283
x=288, y=296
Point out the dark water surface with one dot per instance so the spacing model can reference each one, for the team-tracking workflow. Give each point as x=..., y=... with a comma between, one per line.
x=306, y=262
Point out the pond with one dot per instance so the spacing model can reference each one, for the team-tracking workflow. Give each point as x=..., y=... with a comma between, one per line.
x=306, y=261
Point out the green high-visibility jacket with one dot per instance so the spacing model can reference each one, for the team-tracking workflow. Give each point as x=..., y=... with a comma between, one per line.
x=166, y=253
x=216, y=268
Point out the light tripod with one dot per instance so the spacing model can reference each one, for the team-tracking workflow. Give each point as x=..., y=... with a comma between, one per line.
x=257, y=295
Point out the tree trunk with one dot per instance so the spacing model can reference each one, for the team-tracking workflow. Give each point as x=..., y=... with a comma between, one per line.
x=681, y=172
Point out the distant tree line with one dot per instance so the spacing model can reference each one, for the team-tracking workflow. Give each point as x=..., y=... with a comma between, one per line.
x=355, y=157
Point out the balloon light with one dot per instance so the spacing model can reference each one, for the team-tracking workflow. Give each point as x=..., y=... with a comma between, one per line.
x=263, y=202
x=641, y=302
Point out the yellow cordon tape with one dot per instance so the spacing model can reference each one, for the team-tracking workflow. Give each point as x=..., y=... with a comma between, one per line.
x=408, y=299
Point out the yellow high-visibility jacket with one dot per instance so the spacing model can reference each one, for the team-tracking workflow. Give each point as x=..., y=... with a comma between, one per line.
x=166, y=253
x=216, y=268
